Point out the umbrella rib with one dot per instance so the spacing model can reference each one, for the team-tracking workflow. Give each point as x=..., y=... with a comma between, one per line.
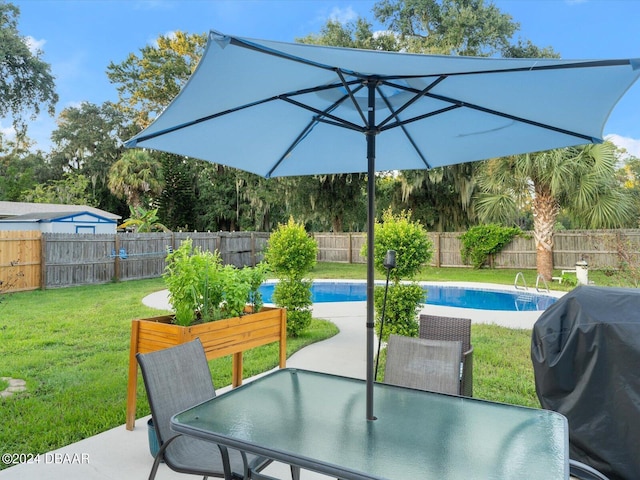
x=351, y=95
x=417, y=96
x=295, y=143
x=320, y=117
x=516, y=118
x=325, y=114
x=394, y=114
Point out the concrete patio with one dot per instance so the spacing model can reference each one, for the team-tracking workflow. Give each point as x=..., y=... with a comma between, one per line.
x=124, y=455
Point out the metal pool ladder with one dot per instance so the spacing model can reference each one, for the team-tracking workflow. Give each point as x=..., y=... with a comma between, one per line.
x=520, y=276
x=546, y=287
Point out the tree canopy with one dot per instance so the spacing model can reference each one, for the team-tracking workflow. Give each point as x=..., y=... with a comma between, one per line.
x=26, y=81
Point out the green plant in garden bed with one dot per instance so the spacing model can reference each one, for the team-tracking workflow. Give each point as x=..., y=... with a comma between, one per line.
x=201, y=289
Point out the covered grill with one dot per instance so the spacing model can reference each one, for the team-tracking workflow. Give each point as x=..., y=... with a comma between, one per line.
x=586, y=354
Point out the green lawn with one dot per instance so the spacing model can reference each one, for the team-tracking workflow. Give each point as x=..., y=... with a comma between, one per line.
x=71, y=346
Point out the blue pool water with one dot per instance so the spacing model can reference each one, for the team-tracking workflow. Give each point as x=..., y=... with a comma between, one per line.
x=462, y=297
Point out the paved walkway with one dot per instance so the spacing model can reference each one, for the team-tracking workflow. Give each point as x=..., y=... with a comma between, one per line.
x=124, y=455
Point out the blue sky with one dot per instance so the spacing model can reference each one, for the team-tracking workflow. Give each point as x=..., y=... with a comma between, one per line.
x=81, y=37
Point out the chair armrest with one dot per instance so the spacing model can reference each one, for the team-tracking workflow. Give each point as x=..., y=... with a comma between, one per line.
x=466, y=383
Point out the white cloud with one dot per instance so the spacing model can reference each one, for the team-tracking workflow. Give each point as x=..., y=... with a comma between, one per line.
x=34, y=46
x=343, y=15
x=631, y=145
x=7, y=132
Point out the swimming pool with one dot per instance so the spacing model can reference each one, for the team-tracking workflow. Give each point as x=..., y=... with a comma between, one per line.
x=450, y=296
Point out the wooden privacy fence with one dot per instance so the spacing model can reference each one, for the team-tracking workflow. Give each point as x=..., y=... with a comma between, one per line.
x=20, y=261
x=600, y=248
x=31, y=260
x=72, y=259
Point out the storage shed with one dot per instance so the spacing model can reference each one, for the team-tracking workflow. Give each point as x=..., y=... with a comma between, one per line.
x=61, y=222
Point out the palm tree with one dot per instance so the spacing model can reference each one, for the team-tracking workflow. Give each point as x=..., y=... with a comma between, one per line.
x=580, y=180
x=136, y=175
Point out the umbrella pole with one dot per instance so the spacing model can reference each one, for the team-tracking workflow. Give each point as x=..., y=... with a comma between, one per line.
x=371, y=213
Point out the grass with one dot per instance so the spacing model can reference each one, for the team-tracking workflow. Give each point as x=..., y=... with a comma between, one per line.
x=71, y=346
x=432, y=274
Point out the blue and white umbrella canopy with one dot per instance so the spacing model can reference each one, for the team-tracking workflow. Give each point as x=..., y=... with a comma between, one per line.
x=282, y=109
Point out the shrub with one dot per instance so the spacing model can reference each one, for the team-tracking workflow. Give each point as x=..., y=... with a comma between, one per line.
x=413, y=250
x=410, y=241
x=295, y=295
x=483, y=240
x=291, y=254
x=403, y=306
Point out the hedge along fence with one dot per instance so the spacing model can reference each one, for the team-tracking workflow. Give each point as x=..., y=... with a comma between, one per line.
x=29, y=260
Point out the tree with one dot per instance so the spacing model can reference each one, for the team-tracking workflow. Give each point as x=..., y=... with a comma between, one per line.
x=71, y=190
x=629, y=178
x=331, y=202
x=147, y=83
x=26, y=81
x=19, y=170
x=89, y=140
x=441, y=198
x=450, y=27
x=578, y=179
x=178, y=201
x=136, y=177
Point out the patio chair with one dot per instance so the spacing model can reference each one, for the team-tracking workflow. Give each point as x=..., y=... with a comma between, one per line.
x=178, y=378
x=432, y=365
x=435, y=327
x=582, y=471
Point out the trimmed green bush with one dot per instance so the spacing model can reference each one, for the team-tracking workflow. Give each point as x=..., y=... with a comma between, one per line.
x=403, y=305
x=291, y=254
x=413, y=251
x=408, y=238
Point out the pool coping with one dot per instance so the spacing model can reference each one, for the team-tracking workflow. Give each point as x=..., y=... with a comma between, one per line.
x=511, y=319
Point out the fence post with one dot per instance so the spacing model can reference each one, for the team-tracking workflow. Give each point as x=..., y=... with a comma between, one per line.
x=253, y=249
x=116, y=258
x=43, y=262
x=438, y=249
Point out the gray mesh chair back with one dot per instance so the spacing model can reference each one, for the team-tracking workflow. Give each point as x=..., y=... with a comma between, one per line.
x=178, y=378
x=432, y=365
x=435, y=327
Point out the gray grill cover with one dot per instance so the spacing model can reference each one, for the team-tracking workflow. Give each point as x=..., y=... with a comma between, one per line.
x=586, y=352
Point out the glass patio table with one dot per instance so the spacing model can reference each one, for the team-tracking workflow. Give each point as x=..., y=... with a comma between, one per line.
x=317, y=421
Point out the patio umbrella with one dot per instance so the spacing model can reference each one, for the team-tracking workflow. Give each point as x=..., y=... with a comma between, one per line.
x=281, y=109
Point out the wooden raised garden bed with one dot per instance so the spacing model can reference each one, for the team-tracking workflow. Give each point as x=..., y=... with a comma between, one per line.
x=223, y=337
